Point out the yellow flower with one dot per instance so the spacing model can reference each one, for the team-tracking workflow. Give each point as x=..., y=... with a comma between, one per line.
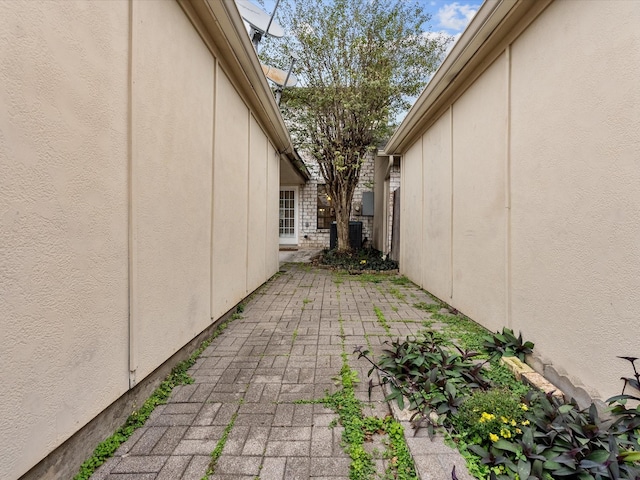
x=493, y=437
x=526, y=422
x=486, y=417
x=362, y=262
x=524, y=407
x=513, y=423
x=504, y=419
x=505, y=433
x=518, y=431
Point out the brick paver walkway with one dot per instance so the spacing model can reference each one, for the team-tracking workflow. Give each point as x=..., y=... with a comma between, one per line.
x=250, y=381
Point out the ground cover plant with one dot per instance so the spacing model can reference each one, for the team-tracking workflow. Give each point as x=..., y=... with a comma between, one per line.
x=361, y=260
x=503, y=428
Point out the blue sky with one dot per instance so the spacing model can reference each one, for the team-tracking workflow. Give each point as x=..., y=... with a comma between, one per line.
x=450, y=17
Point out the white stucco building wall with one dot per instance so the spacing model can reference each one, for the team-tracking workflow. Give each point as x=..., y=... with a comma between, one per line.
x=521, y=182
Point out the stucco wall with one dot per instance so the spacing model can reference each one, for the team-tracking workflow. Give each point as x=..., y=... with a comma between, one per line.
x=172, y=121
x=231, y=167
x=63, y=221
x=129, y=170
x=436, y=212
x=576, y=188
x=479, y=145
x=546, y=188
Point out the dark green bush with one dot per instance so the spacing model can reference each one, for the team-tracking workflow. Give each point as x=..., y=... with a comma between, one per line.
x=365, y=259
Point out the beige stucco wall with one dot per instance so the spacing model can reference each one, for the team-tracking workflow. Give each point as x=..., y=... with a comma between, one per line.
x=546, y=187
x=230, y=180
x=257, y=217
x=172, y=124
x=63, y=221
x=436, y=214
x=137, y=189
x=479, y=145
x=576, y=188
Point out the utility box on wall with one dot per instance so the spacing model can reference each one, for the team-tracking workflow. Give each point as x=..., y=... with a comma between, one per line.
x=367, y=204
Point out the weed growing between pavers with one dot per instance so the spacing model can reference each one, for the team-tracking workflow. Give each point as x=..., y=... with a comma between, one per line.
x=358, y=428
x=398, y=294
x=305, y=302
x=217, y=452
x=178, y=376
x=381, y=320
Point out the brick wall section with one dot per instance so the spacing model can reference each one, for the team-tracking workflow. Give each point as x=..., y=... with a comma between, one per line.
x=309, y=235
x=394, y=184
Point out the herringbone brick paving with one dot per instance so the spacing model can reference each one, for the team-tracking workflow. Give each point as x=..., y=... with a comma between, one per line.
x=286, y=348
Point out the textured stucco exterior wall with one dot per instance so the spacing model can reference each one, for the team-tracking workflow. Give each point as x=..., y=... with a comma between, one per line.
x=576, y=188
x=124, y=204
x=172, y=114
x=257, y=220
x=479, y=148
x=436, y=213
x=230, y=190
x=546, y=188
x=63, y=221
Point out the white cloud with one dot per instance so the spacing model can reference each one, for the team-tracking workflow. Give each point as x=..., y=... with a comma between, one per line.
x=455, y=16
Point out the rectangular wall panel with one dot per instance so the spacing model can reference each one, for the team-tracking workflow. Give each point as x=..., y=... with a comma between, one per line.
x=576, y=188
x=479, y=150
x=230, y=197
x=258, y=205
x=172, y=151
x=411, y=214
x=436, y=246
x=63, y=221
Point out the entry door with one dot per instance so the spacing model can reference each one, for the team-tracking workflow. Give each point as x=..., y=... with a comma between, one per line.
x=288, y=215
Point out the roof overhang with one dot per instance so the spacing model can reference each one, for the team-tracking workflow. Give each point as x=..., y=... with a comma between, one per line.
x=495, y=25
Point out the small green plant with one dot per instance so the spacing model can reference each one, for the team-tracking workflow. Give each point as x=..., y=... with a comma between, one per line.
x=398, y=294
x=305, y=302
x=294, y=336
x=217, y=452
x=501, y=376
x=401, y=280
x=428, y=307
x=431, y=377
x=381, y=320
x=507, y=344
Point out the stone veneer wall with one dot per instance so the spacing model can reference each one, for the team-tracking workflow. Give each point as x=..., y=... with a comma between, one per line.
x=309, y=234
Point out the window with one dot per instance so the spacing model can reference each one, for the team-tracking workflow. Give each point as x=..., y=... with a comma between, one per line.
x=326, y=213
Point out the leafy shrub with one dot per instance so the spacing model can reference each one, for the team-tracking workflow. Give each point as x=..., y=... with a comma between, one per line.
x=507, y=344
x=365, y=259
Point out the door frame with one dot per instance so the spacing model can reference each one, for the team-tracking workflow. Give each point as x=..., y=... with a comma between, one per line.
x=290, y=240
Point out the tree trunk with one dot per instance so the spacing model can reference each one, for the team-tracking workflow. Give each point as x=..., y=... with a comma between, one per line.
x=344, y=244
x=343, y=212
